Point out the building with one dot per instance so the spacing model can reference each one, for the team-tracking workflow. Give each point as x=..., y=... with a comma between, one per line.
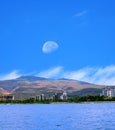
x=57, y=95
x=109, y=92
x=40, y=97
x=64, y=96
x=6, y=97
x=60, y=96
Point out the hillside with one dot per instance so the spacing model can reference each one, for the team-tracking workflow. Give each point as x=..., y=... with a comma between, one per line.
x=28, y=86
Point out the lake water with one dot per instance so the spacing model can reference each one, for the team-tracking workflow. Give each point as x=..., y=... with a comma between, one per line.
x=89, y=116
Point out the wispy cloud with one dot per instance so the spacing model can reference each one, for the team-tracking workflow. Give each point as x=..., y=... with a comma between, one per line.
x=51, y=73
x=96, y=75
x=81, y=18
x=80, y=14
x=12, y=75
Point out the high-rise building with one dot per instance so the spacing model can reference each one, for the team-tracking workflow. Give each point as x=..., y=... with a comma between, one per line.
x=60, y=96
x=109, y=92
x=40, y=97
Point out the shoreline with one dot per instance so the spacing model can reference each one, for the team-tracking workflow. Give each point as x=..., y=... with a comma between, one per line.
x=92, y=102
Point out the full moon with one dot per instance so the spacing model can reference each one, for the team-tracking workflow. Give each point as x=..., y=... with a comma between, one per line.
x=49, y=47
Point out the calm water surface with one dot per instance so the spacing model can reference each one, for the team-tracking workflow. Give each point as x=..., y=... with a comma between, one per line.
x=97, y=116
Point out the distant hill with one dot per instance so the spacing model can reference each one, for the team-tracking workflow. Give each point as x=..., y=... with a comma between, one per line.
x=28, y=86
x=31, y=78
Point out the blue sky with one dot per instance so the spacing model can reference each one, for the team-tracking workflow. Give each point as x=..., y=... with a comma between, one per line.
x=83, y=30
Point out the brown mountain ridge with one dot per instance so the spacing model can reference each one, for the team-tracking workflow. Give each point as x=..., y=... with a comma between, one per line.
x=28, y=86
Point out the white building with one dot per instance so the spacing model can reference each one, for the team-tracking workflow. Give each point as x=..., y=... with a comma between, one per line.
x=60, y=96
x=109, y=92
x=40, y=97
x=64, y=96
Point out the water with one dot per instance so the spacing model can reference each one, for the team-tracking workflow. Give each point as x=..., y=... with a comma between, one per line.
x=97, y=116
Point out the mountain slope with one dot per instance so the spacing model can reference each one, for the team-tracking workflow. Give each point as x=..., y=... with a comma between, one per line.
x=27, y=86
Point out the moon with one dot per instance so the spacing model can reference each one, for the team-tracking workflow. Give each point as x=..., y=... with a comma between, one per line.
x=50, y=46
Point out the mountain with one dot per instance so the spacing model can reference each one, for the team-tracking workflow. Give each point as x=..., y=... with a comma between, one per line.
x=31, y=78
x=28, y=86
x=26, y=78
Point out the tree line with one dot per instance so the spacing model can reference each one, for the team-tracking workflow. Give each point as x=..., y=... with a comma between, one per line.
x=77, y=99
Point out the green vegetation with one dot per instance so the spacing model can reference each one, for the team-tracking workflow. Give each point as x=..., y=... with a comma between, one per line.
x=27, y=101
x=90, y=99
x=70, y=100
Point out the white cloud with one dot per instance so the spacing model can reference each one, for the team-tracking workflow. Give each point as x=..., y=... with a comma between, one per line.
x=12, y=75
x=82, y=13
x=51, y=73
x=102, y=75
x=96, y=75
x=77, y=75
